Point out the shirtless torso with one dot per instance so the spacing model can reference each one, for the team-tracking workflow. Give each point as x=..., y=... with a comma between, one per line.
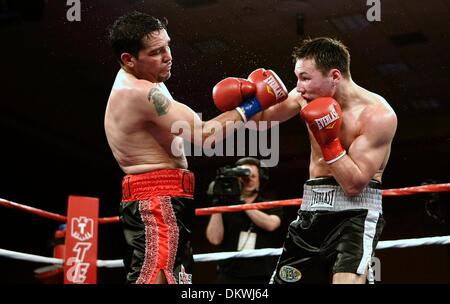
x=138, y=143
x=368, y=128
x=356, y=119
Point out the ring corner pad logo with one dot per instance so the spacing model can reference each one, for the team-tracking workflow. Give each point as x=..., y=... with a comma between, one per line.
x=82, y=230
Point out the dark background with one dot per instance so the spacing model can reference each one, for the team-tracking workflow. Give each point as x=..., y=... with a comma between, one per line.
x=56, y=77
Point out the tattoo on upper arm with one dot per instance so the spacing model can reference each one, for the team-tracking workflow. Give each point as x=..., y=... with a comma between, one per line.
x=161, y=102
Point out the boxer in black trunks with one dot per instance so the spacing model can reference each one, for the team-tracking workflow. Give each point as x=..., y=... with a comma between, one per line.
x=334, y=233
x=351, y=131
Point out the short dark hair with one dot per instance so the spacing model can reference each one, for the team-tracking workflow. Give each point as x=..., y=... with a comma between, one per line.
x=328, y=54
x=263, y=171
x=127, y=32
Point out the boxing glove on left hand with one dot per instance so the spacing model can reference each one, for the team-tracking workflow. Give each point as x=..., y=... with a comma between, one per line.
x=270, y=90
x=324, y=118
x=231, y=91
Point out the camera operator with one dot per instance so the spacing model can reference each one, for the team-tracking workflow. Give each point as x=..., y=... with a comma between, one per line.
x=251, y=229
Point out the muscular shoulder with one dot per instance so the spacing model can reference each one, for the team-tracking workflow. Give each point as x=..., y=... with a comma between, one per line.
x=129, y=88
x=140, y=89
x=379, y=118
x=143, y=95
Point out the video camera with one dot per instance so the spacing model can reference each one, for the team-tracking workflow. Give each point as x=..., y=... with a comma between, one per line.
x=226, y=188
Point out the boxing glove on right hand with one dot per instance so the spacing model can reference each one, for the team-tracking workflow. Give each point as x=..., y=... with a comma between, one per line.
x=324, y=118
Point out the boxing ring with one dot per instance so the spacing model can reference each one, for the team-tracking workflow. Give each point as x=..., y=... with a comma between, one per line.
x=76, y=257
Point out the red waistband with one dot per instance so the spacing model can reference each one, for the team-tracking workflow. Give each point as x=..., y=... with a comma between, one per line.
x=167, y=182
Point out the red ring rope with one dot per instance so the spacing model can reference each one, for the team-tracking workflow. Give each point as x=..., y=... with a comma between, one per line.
x=233, y=208
x=293, y=202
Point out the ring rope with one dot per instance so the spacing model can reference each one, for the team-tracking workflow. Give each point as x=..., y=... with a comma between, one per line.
x=436, y=240
x=417, y=189
x=234, y=208
x=29, y=257
x=208, y=257
x=50, y=215
x=43, y=213
x=242, y=207
x=298, y=201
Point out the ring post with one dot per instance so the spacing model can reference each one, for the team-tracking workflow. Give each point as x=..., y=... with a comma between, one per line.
x=80, y=263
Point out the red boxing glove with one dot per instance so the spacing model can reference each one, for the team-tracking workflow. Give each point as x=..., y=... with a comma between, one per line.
x=270, y=89
x=324, y=118
x=231, y=91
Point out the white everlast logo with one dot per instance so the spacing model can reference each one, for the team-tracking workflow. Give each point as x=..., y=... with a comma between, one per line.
x=326, y=120
x=323, y=198
x=276, y=87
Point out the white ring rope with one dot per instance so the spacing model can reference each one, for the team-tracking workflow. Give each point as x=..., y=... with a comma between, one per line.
x=208, y=257
x=435, y=240
x=29, y=257
x=249, y=253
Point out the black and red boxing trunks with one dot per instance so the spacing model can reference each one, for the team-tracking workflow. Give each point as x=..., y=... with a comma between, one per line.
x=332, y=233
x=152, y=213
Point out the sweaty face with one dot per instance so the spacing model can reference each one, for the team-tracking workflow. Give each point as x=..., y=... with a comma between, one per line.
x=155, y=59
x=311, y=83
x=251, y=183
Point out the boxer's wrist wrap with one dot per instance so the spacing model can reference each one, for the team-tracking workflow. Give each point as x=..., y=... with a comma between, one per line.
x=329, y=162
x=333, y=151
x=166, y=182
x=242, y=114
x=250, y=107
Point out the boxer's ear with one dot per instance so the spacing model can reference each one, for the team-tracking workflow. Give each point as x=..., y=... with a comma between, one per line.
x=127, y=60
x=335, y=76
